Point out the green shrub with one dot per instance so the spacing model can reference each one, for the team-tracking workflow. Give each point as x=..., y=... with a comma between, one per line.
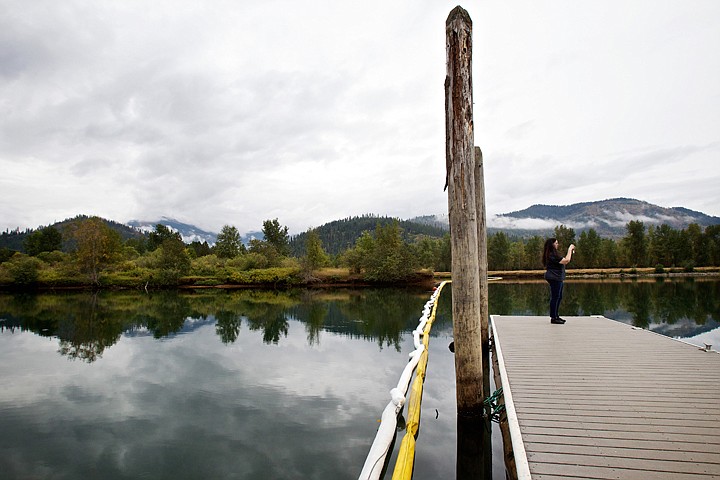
x=659, y=268
x=290, y=262
x=250, y=261
x=123, y=279
x=128, y=266
x=61, y=277
x=166, y=277
x=130, y=253
x=5, y=276
x=200, y=281
x=274, y=276
x=53, y=257
x=149, y=260
x=206, y=265
x=24, y=269
x=689, y=267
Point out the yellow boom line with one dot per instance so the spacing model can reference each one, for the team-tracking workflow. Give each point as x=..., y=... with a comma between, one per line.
x=406, y=455
x=380, y=447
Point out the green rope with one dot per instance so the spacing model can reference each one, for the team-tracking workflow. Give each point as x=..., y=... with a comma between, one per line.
x=496, y=409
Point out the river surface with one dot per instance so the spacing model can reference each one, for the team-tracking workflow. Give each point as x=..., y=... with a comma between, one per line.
x=259, y=384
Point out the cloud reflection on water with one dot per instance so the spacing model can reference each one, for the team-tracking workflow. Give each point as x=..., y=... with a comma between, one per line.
x=185, y=408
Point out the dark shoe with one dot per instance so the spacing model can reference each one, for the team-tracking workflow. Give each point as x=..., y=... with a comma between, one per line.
x=557, y=321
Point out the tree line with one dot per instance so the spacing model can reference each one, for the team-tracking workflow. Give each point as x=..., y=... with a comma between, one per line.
x=642, y=246
x=89, y=252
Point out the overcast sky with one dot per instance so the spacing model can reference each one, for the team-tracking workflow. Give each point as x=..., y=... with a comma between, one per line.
x=232, y=112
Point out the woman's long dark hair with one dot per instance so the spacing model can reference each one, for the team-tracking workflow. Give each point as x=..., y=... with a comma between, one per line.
x=548, y=249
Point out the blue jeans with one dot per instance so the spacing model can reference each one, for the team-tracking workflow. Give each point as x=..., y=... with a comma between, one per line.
x=556, y=289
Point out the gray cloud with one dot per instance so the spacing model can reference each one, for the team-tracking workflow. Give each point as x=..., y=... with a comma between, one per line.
x=226, y=113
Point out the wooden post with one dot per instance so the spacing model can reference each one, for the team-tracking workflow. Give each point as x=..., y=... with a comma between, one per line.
x=482, y=254
x=460, y=180
x=484, y=313
x=484, y=296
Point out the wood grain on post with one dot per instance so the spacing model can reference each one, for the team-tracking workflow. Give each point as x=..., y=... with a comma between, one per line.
x=460, y=181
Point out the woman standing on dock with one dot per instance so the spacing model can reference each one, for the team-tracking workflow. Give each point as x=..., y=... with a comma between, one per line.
x=554, y=264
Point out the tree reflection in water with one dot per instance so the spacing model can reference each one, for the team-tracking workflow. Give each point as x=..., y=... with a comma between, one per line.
x=87, y=323
x=90, y=329
x=694, y=301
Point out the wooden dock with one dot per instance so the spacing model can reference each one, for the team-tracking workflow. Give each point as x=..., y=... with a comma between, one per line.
x=600, y=399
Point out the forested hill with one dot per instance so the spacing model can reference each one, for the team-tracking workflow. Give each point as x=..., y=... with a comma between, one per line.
x=13, y=240
x=339, y=235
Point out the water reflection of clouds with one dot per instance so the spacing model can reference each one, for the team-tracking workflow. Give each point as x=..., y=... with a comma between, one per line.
x=686, y=329
x=190, y=407
x=21, y=380
x=707, y=338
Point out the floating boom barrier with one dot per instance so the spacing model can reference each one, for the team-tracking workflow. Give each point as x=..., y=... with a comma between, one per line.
x=375, y=461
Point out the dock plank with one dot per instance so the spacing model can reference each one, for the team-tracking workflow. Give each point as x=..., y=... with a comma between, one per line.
x=596, y=398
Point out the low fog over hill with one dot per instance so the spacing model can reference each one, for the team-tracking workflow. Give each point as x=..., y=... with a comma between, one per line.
x=607, y=217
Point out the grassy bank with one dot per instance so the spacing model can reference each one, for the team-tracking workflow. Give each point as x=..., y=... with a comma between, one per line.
x=226, y=278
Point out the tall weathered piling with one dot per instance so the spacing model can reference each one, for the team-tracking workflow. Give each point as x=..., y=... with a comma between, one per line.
x=461, y=184
x=482, y=259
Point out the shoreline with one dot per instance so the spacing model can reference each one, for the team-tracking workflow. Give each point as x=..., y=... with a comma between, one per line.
x=340, y=278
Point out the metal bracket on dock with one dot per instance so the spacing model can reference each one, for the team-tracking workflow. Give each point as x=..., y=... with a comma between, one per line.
x=496, y=409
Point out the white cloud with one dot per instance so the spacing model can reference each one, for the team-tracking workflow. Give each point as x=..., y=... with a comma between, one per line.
x=232, y=113
x=499, y=221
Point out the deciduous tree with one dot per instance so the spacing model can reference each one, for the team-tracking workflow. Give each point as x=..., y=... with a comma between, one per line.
x=228, y=243
x=97, y=246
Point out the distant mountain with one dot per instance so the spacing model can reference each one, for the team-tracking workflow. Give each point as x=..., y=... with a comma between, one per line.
x=189, y=233
x=608, y=217
x=245, y=239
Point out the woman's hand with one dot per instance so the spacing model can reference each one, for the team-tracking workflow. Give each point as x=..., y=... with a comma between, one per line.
x=565, y=260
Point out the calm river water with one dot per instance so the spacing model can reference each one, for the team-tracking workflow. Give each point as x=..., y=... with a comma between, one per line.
x=258, y=384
